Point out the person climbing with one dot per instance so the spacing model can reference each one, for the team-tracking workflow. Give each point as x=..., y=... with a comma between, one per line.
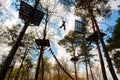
x=63, y=24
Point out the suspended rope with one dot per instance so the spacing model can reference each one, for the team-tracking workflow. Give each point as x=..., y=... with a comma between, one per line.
x=60, y=64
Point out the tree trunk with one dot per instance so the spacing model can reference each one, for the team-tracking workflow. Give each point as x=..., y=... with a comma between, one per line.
x=28, y=76
x=41, y=50
x=58, y=73
x=11, y=54
x=25, y=53
x=10, y=73
x=42, y=68
x=86, y=69
x=38, y=64
x=22, y=75
x=100, y=55
x=75, y=69
x=85, y=48
x=110, y=66
x=91, y=70
x=101, y=62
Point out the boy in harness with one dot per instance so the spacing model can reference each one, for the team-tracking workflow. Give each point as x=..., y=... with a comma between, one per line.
x=63, y=24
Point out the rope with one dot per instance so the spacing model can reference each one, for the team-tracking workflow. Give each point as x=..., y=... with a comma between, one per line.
x=60, y=64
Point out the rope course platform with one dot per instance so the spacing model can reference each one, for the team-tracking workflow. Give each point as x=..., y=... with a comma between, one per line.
x=74, y=59
x=94, y=37
x=42, y=42
x=31, y=14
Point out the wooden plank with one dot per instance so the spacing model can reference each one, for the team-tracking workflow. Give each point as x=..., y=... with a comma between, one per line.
x=94, y=37
x=29, y=13
x=41, y=42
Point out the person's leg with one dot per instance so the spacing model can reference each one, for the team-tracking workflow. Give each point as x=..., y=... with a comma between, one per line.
x=64, y=27
x=61, y=25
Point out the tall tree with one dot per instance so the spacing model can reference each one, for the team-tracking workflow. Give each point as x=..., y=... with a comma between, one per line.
x=23, y=58
x=47, y=69
x=114, y=43
x=9, y=38
x=71, y=43
x=92, y=7
x=12, y=52
x=116, y=59
x=50, y=10
x=26, y=69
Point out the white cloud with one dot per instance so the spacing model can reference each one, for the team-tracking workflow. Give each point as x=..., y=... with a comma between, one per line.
x=4, y=49
x=9, y=16
x=62, y=53
x=4, y=3
x=114, y=4
x=71, y=21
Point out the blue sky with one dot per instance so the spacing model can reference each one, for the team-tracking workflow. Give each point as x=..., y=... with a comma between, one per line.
x=10, y=17
x=111, y=21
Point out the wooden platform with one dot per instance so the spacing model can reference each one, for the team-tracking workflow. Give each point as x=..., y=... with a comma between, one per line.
x=41, y=42
x=29, y=13
x=94, y=37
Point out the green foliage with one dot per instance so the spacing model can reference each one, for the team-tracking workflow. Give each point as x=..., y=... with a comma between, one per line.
x=13, y=73
x=114, y=41
x=9, y=35
x=71, y=41
x=116, y=32
x=47, y=68
x=98, y=7
x=116, y=59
